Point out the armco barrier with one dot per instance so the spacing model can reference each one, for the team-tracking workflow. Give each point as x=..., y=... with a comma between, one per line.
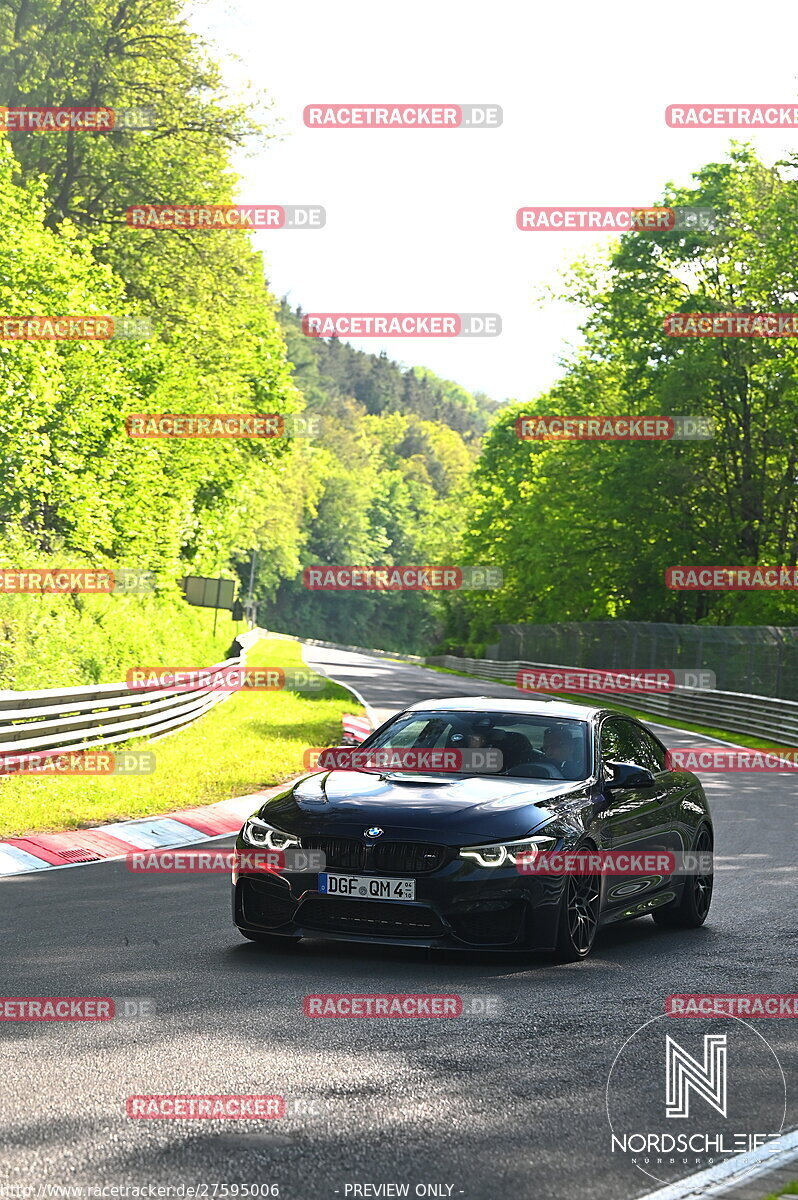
x=760, y=716
x=410, y=658
x=80, y=718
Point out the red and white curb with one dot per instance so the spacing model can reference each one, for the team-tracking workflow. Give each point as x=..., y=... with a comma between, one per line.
x=356, y=729
x=76, y=847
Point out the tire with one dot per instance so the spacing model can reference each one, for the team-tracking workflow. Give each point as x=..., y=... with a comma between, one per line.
x=692, y=909
x=579, y=916
x=271, y=939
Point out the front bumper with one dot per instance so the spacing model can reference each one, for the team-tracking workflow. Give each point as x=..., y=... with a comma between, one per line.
x=460, y=906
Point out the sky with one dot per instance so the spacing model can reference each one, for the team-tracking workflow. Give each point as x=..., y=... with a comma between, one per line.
x=424, y=220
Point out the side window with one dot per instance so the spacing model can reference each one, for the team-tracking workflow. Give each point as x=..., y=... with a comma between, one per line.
x=654, y=755
x=612, y=741
x=630, y=743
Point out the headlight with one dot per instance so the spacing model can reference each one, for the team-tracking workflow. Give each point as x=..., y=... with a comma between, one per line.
x=502, y=853
x=257, y=833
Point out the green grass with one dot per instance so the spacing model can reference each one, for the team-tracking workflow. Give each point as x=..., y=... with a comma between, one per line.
x=61, y=641
x=740, y=739
x=251, y=741
x=791, y=1189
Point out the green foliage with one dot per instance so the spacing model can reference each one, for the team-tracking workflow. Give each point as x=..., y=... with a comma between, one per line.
x=121, y=53
x=74, y=487
x=386, y=480
x=586, y=530
x=332, y=373
x=70, y=477
x=581, y=529
x=59, y=641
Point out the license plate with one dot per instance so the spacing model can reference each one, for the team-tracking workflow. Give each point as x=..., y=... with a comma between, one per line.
x=368, y=887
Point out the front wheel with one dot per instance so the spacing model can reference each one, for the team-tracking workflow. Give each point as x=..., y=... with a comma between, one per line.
x=579, y=916
x=693, y=907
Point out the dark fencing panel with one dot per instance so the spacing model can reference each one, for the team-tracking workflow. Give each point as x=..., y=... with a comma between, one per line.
x=755, y=659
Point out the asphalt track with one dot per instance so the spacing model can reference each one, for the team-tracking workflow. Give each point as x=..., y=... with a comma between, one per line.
x=484, y=1108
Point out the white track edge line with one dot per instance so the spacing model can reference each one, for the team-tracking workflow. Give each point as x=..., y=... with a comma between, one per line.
x=734, y=1172
x=370, y=712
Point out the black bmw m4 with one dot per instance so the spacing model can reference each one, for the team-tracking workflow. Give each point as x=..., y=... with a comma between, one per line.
x=443, y=857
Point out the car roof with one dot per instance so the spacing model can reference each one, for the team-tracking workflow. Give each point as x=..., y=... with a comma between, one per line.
x=537, y=707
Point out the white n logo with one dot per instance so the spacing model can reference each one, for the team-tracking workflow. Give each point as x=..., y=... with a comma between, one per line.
x=707, y=1079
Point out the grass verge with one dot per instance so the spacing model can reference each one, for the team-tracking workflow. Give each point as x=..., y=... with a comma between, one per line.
x=251, y=741
x=67, y=640
x=791, y=1189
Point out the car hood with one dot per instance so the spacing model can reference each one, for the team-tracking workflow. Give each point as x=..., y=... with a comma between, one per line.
x=345, y=803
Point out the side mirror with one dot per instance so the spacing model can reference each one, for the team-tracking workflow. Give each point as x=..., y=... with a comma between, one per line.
x=627, y=775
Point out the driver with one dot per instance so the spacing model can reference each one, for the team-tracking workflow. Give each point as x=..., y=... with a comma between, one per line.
x=558, y=749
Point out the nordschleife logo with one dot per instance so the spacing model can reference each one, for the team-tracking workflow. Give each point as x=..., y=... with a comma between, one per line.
x=676, y=1106
x=684, y=1074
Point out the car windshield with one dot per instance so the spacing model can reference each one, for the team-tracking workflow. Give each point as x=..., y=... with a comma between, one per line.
x=524, y=746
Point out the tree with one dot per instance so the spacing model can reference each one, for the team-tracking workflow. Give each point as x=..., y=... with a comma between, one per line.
x=586, y=530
